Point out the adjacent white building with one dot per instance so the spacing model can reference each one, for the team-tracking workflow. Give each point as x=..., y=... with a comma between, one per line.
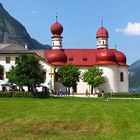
x=9, y=54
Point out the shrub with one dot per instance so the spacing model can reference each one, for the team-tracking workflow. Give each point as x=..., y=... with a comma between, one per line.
x=120, y=95
x=24, y=94
x=6, y=94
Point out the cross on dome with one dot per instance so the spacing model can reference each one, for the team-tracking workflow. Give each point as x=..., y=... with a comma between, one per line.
x=56, y=17
x=102, y=22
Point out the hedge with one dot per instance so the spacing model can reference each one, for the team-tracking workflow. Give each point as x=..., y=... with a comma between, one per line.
x=24, y=94
x=120, y=95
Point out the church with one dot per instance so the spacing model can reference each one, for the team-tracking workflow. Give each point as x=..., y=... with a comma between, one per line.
x=111, y=61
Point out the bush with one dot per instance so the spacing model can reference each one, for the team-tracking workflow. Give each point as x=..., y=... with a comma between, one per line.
x=120, y=95
x=24, y=94
x=6, y=94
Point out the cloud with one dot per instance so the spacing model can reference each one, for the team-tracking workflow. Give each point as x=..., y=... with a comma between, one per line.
x=35, y=12
x=130, y=29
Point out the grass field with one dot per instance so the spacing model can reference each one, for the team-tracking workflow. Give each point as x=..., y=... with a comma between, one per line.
x=69, y=119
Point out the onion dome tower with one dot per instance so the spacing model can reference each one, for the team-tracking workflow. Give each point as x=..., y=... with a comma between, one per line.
x=56, y=30
x=56, y=56
x=102, y=37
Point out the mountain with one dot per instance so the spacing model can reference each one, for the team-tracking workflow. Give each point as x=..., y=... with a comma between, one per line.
x=134, y=74
x=12, y=31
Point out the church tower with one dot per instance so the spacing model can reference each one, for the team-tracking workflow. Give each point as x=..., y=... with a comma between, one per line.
x=102, y=38
x=56, y=30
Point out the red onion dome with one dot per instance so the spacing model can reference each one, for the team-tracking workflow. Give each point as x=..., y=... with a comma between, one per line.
x=56, y=28
x=102, y=32
x=120, y=57
x=56, y=55
x=105, y=56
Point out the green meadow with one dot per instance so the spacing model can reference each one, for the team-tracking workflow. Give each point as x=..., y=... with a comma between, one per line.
x=69, y=119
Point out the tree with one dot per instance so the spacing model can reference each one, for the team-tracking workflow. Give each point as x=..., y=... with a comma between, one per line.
x=68, y=75
x=1, y=72
x=93, y=77
x=12, y=76
x=28, y=72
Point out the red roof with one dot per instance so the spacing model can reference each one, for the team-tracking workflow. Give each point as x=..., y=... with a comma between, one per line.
x=105, y=56
x=120, y=57
x=87, y=57
x=55, y=56
x=81, y=57
x=102, y=32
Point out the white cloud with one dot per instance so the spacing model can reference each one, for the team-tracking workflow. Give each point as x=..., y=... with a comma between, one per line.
x=34, y=12
x=130, y=29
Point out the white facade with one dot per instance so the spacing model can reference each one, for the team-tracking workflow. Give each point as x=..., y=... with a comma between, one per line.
x=113, y=83
x=113, y=80
x=7, y=66
x=123, y=85
x=110, y=72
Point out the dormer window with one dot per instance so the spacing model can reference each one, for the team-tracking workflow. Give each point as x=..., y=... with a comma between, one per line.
x=84, y=59
x=71, y=59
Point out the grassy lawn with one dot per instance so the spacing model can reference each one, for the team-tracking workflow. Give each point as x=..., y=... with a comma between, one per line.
x=69, y=119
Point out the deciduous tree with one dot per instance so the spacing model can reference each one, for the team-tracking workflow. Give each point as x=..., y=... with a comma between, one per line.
x=1, y=72
x=28, y=72
x=68, y=76
x=93, y=77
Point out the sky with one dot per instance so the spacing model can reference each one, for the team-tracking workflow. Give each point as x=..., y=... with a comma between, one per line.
x=81, y=19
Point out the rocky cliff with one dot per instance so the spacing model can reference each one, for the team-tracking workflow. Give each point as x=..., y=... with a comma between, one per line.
x=13, y=31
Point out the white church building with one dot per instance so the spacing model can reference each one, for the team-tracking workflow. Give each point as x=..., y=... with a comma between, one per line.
x=111, y=61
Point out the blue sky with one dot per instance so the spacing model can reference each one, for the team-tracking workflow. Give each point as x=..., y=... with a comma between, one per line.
x=81, y=19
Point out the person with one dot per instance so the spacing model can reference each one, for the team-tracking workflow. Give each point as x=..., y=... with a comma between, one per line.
x=134, y=90
x=102, y=93
x=60, y=92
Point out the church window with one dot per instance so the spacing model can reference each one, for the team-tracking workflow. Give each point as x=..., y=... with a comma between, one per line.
x=7, y=59
x=121, y=76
